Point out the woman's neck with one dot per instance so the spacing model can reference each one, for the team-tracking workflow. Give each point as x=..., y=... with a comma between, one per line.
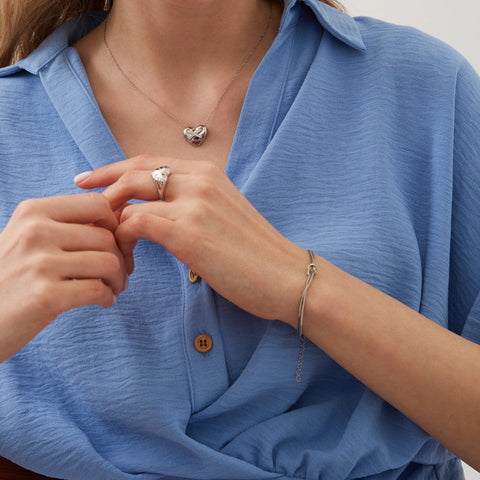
x=188, y=56
x=185, y=38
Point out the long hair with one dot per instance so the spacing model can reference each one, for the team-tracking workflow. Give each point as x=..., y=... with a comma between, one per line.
x=24, y=24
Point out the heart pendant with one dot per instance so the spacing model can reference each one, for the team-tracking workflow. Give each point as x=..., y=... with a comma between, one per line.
x=195, y=136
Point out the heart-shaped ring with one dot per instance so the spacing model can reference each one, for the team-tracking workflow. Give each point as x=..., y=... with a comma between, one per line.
x=195, y=136
x=160, y=178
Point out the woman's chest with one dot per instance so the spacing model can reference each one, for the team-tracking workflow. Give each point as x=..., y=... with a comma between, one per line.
x=148, y=131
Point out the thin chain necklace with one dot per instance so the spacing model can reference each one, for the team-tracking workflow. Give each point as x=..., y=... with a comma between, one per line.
x=195, y=136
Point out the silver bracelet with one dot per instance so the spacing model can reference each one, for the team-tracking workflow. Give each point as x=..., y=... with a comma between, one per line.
x=311, y=272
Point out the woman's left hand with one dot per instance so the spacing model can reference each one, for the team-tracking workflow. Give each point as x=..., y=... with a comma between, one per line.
x=209, y=226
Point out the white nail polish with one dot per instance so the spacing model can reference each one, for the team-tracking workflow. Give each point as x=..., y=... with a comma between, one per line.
x=81, y=176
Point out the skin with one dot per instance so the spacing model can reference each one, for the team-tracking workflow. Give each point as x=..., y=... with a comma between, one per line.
x=56, y=254
x=192, y=48
x=229, y=244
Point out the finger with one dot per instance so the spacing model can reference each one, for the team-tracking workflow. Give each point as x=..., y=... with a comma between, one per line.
x=94, y=265
x=139, y=185
x=74, y=237
x=143, y=213
x=160, y=209
x=108, y=174
x=148, y=226
x=78, y=293
x=195, y=195
x=134, y=184
x=84, y=209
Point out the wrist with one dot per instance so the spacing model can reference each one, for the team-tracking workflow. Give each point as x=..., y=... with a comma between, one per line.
x=319, y=303
x=311, y=273
x=304, y=274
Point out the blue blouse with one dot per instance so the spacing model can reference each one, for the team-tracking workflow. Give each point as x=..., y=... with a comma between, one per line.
x=357, y=139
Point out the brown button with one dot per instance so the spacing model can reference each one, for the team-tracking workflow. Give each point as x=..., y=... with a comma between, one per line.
x=193, y=277
x=204, y=343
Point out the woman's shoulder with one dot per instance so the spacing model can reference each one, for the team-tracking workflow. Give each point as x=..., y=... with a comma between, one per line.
x=407, y=47
x=27, y=70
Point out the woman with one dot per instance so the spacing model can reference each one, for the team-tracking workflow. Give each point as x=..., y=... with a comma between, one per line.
x=268, y=129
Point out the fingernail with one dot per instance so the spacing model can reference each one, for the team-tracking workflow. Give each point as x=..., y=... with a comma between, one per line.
x=125, y=286
x=115, y=298
x=81, y=176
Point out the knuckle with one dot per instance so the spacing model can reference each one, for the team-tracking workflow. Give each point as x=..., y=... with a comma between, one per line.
x=112, y=263
x=96, y=292
x=127, y=212
x=108, y=240
x=209, y=168
x=93, y=196
x=127, y=178
x=42, y=298
x=197, y=212
x=206, y=188
x=203, y=188
x=207, y=182
x=26, y=207
x=108, y=300
x=41, y=264
x=34, y=232
x=143, y=160
x=137, y=222
x=96, y=199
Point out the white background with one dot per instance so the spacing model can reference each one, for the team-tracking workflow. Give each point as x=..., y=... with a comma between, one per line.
x=456, y=22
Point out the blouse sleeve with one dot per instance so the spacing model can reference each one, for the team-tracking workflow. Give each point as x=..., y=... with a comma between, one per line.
x=464, y=289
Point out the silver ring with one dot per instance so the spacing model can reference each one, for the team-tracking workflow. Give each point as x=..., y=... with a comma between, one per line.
x=160, y=178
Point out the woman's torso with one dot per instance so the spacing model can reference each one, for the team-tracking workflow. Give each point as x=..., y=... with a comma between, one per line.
x=123, y=393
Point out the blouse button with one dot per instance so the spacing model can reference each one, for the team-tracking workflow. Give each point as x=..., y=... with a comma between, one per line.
x=193, y=277
x=203, y=343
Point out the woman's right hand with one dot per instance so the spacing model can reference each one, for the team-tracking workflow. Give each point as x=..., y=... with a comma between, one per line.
x=56, y=254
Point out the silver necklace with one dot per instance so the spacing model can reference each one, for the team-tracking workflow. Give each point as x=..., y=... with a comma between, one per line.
x=195, y=136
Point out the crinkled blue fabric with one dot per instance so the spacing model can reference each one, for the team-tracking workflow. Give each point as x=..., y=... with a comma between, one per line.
x=357, y=139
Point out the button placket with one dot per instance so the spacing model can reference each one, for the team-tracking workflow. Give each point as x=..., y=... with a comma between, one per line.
x=203, y=342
